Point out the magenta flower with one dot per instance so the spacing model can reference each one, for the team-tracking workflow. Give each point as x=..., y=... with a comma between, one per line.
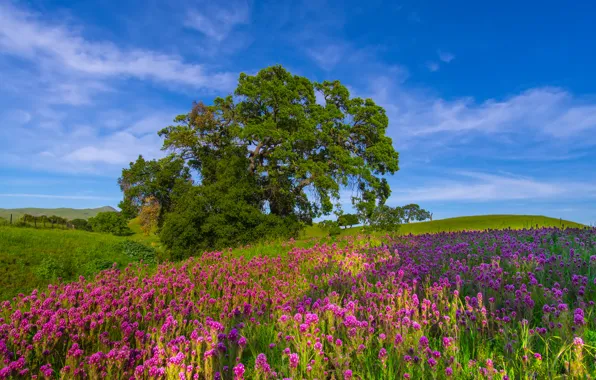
x=239, y=371
x=293, y=360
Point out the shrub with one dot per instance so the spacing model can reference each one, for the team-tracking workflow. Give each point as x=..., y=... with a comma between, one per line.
x=110, y=222
x=139, y=252
x=81, y=224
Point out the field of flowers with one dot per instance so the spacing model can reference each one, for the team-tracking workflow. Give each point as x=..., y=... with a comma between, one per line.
x=497, y=305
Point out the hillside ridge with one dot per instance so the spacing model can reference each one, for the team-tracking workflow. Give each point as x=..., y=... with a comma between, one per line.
x=65, y=212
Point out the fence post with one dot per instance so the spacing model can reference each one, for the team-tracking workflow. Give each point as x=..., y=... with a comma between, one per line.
x=10, y=218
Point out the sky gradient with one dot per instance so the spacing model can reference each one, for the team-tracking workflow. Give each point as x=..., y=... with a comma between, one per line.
x=492, y=107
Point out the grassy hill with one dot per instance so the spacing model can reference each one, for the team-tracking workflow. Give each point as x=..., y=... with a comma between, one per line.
x=465, y=223
x=68, y=213
x=32, y=258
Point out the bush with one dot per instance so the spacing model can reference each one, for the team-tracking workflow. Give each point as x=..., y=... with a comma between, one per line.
x=193, y=227
x=335, y=230
x=50, y=269
x=81, y=224
x=139, y=252
x=110, y=222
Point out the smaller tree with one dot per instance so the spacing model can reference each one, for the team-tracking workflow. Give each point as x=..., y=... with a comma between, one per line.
x=149, y=215
x=27, y=218
x=110, y=222
x=386, y=218
x=347, y=220
x=81, y=224
x=413, y=211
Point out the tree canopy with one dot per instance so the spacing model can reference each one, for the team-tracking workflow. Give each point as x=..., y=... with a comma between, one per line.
x=272, y=149
x=152, y=181
x=415, y=212
x=300, y=153
x=347, y=220
x=110, y=222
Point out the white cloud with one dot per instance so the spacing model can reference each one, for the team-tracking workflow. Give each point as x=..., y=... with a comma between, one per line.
x=218, y=22
x=482, y=187
x=23, y=34
x=15, y=116
x=445, y=56
x=540, y=119
x=327, y=56
x=432, y=66
x=93, y=154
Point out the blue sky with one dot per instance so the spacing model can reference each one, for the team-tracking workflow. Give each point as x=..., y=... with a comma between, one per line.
x=492, y=106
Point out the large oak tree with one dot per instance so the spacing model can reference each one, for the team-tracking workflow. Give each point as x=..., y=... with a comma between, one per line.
x=300, y=151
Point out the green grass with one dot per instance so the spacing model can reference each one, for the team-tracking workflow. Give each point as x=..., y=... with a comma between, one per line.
x=464, y=223
x=32, y=258
x=68, y=213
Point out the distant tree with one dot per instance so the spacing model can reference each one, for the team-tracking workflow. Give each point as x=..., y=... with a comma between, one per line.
x=28, y=218
x=415, y=212
x=149, y=215
x=156, y=180
x=331, y=227
x=110, y=222
x=347, y=220
x=386, y=218
x=56, y=220
x=81, y=224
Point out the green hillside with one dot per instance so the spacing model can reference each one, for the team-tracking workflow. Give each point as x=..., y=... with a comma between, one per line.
x=32, y=258
x=68, y=213
x=465, y=223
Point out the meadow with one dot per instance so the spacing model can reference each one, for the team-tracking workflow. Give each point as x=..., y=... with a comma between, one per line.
x=33, y=258
x=508, y=304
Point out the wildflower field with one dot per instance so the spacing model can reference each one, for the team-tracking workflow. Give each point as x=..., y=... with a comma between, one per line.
x=497, y=305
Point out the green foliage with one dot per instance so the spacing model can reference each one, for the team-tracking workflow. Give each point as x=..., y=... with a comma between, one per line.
x=81, y=224
x=387, y=219
x=331, y=227
x=110, y=222
x=275, y=144
x=156, y=179
x=139, y=252
x=347, y=220
x=335, y=230
x=3, y=222
x=415, y=212
x=217, y=217
x=50, y=269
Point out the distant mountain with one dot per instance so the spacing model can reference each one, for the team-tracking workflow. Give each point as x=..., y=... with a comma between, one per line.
x=68, y=213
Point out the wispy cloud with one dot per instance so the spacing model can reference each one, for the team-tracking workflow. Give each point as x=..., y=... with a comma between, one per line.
x=432, y=66
x=24, y=34
x=217, y=21
x=328, y=56
x=483, y=187
x=542, y=123
x=445, y=56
